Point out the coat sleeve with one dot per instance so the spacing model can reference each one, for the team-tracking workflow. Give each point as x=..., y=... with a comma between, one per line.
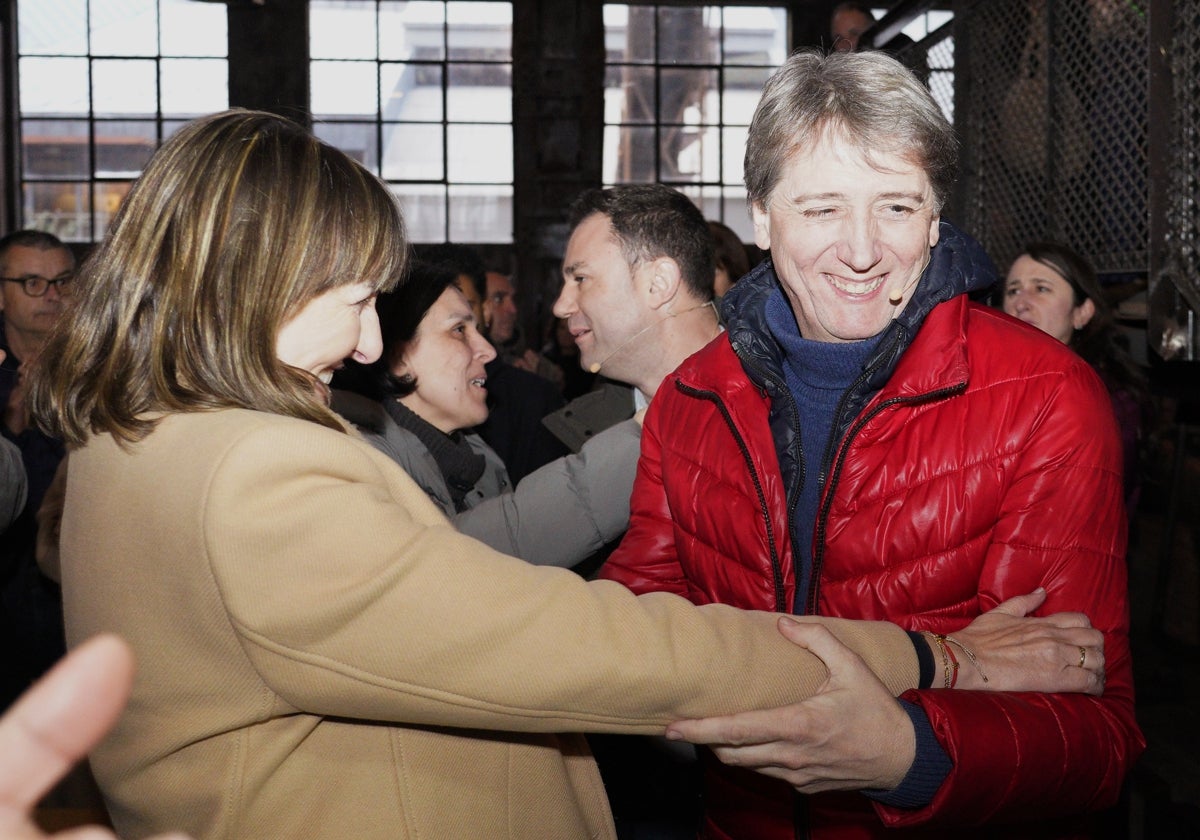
x=1063, y=526
x=352, y=595
x=647, y=560
x=563, y=512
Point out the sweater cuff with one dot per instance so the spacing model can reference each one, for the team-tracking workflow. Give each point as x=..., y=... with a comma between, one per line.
x=929, y=769
x=924, y=659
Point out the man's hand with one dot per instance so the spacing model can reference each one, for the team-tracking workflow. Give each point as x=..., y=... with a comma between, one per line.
x=851, y=735
x=1055, y=653
x=53, y=725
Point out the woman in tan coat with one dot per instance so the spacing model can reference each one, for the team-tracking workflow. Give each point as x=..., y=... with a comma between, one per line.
x=320, y=653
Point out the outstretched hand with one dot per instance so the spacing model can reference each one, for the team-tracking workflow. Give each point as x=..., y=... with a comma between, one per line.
x=53, y=725
x=1061, y=652
x=852, y=734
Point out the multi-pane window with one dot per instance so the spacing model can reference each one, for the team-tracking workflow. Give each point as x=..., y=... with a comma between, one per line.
x=101, y=83
x=421, y=94
x=681, y=86
x=939, y=60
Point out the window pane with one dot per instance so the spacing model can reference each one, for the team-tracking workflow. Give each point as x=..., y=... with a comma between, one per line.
x=629, y=34
x=479, y=92
x=735, y=212
x=52, y=27
x=412, y=30
x=689, y=154
x=54, y=148
x=124, y=147
x=54, y=86
x=411, y=92
x=684, y=96
x=126, y=28
x=341, y=29
x=481, y=213
x=630, y=94
x=194, y=29
x=480, y=153
x=412, y=152
x=479, y=31
x=424, y=209
x=64, y=209
x=124, y=86
x=683, y=37
x=194, y=86
x=343, y=88
x=629, y=155
x=109, y=196
x=358, y=140
x=756, y=36
x=743, y=89
x=733, y=154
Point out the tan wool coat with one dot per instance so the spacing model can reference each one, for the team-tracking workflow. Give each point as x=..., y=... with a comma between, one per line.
x=321, y=655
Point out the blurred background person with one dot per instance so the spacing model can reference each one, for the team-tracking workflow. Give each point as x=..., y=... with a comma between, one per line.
x=1055, y=289
x=731, y=256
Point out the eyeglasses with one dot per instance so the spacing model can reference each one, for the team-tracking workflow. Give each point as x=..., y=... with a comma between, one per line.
x=36, y=286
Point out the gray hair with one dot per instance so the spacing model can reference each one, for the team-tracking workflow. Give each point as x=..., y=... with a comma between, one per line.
x=868, y=97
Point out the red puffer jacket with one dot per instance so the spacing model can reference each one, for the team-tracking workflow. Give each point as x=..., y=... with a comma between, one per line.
x=987, y=465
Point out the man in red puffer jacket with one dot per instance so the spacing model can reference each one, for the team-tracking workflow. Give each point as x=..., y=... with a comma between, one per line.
x=867, y=443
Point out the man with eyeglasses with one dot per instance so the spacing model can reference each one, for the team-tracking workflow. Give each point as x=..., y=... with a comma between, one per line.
x=35, y=272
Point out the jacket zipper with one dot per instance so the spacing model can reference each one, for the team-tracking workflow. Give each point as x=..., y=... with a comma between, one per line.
x=776, y=571
x=814, y=587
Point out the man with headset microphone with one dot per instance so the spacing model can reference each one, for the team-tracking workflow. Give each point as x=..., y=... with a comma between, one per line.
x=637, y=297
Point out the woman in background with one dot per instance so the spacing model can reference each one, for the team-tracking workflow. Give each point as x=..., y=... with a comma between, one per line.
x=1054, y=289
x=431, y=389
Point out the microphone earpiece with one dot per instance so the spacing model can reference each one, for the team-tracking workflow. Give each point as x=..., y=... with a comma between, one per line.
x=594, y=367
x=895, y=296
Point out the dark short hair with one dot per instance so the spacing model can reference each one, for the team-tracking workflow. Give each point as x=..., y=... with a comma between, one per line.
x=38, y=239
x=461, y=259
x=651, y=221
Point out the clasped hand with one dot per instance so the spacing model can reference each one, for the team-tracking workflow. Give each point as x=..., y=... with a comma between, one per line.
x=853, y=735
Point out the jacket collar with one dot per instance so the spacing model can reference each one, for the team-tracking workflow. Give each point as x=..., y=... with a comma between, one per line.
x=957, y=266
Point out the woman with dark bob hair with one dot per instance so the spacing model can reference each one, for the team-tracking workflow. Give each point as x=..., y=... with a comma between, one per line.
x=419, y=402
x=320, y=654
x=1053, y=288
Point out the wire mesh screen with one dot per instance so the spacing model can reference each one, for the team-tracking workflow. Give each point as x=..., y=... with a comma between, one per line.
x=1182, y=214
x=1052, y=117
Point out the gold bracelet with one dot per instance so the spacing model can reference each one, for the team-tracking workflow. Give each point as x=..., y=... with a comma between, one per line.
x=949, y=663
x=968, y=653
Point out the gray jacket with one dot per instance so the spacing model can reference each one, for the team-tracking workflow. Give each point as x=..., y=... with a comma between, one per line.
x=559, y=515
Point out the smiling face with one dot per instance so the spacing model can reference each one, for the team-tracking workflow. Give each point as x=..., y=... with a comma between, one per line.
x=1039, y=295
x=338, y=324
x=601, y=300
x=849, y=239
x=446, y=357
